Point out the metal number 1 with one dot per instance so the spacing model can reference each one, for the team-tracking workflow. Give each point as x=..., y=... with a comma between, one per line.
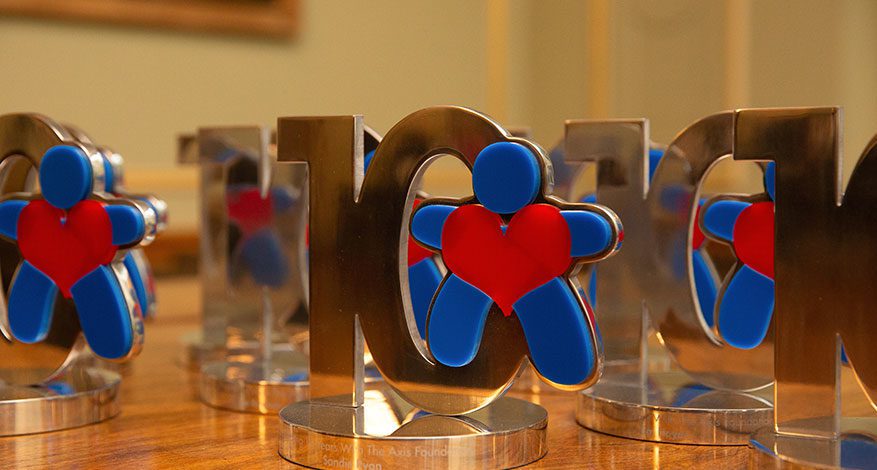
x=358, y=235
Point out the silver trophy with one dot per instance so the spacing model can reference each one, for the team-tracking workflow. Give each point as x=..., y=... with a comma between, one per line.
x=824, y=268
x=431, y=414
x=713, y=393
x=57, y=382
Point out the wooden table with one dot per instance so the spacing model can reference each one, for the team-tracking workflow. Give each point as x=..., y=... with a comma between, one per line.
x=163, y=425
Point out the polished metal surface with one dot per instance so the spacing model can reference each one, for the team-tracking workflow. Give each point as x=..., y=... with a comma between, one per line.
x=261, y=386
x=824, y=264
x=854, y=448
x=671, y=407
x=233, y=161
x=358, y=233
x=650, y=286
x=80, y=395
x=24, y=138
x=650, y=282
x=387, y=432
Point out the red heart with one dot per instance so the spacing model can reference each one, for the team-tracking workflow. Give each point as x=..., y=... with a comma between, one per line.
x=534, y=249
x=65, y=249
x=249, y=210
x=753, y=237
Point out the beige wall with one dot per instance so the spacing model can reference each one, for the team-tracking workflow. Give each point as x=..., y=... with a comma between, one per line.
x=135, y=89
x=524, y=61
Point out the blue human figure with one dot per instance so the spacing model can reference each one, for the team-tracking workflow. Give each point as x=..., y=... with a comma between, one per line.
x=424, y=276
x=507, y=180
x=135, y=261
x=746, y=305
x=704, y=280
x=67, y=242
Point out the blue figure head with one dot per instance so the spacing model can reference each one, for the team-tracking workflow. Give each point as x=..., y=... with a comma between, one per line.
x=770, y=180
x=65, y=176
x=506, y=177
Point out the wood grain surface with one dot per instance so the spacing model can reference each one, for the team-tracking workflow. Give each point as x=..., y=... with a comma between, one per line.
x=162, y=424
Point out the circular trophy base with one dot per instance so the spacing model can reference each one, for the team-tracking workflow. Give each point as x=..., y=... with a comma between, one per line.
x=670, y=408
x=263, y=386
x=255, y=387
x=77, y=397
x=856, y=447
x=387, y=432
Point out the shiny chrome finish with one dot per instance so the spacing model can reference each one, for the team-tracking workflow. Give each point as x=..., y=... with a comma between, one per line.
x=248, y=326
x=387, y=432
x=649, y=285
x=57, y=383
x=359, y=232
x=653, y=272
x=24, y=138
x=256, y=387
x=672, y=408
x=241, y=313
x=259, y=386
x=359, y=292
x=78, y=396
x=232, y=318
x=824, y=264
x=855, y=446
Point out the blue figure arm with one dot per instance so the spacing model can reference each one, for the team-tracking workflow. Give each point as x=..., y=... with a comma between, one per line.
x=427, y=224
x=9, y=212
x=127, y=224
x=720, y=217
x=590, y=232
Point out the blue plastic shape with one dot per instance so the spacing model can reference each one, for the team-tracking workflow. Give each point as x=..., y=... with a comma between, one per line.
x=127, y=224
x=456, y=322
x=590, y=233
x=428, y=222
x=65, y=176
x=103, y=313
x=506, y=177
x=31, y=303
x=9, y=212
x=746, y=308
x=721, y=216
x=424, y=280
x=560, y=343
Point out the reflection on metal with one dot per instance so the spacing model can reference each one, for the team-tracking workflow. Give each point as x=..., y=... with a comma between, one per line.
x=253, y=222
x=387, y=432
x=257, y=386
x=24, y=138
x=650, y=283
x=359, y=228
x=80, y=395
x=854, y=448
x=672, y=408
x=824, y=267
x=363, y=223
x=253, y=271
x=54, y=384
